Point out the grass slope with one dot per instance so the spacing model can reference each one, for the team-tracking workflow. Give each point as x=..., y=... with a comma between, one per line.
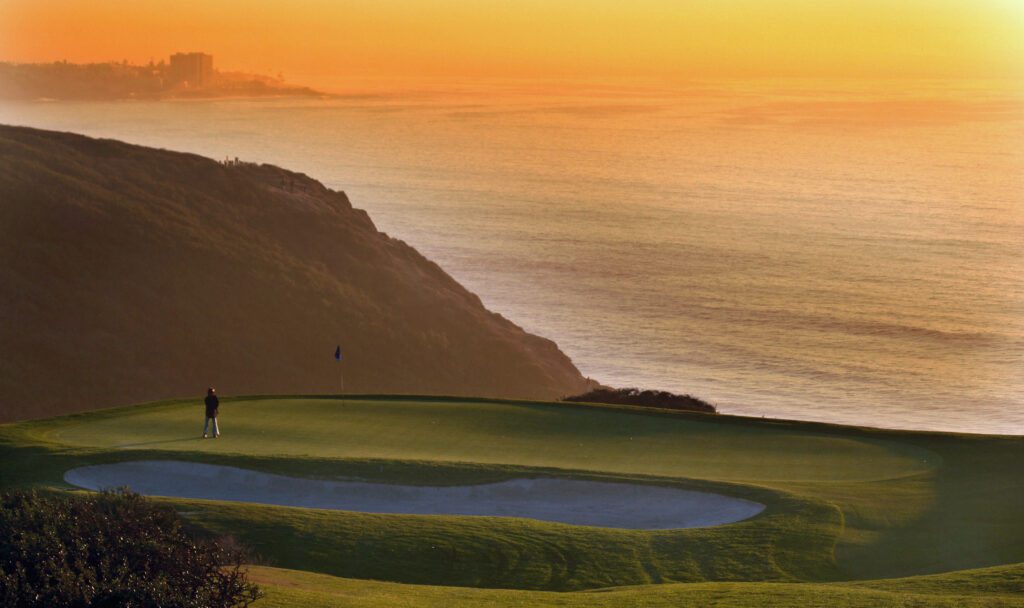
x=990, y=587
x=794, y=543
x=843, y=503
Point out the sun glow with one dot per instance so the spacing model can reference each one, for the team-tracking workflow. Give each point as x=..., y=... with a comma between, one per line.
x=326, y=42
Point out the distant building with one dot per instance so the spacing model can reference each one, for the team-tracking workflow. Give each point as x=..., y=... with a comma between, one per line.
x=190, y=70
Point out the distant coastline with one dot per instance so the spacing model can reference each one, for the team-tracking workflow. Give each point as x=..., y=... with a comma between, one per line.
x=185, y=76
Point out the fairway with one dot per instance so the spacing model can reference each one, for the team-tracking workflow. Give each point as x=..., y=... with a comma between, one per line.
x=534, y=435
x=841, y=503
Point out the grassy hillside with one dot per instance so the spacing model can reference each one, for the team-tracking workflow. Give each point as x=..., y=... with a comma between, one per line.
x=843, y=503
x=130, y=274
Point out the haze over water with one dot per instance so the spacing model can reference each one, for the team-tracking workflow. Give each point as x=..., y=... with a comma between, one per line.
x=776, y=248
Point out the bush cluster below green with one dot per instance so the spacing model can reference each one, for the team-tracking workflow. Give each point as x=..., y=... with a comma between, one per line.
x=111, y=549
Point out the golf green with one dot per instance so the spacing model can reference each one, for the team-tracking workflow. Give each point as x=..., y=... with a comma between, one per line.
x=572, y=438
x=843, y=503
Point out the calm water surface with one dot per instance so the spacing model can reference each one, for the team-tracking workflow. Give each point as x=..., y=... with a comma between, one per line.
x=785, y=251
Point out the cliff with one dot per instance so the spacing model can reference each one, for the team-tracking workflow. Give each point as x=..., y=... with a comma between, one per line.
x=130, y=274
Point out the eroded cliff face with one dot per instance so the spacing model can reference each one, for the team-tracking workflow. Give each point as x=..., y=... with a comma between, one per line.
x=130, y=274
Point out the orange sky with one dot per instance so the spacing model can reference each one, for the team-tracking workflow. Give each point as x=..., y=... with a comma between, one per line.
x=330, y=41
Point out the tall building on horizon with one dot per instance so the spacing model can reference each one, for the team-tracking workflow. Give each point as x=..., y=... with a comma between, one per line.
x=190, y=69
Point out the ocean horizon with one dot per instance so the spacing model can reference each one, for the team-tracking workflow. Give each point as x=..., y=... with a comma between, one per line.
x=780, y=250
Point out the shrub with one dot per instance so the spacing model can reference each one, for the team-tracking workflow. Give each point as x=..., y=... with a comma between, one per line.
x=113, y=549
x=645, y=398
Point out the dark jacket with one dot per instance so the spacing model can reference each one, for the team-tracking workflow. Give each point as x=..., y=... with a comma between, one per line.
x=212, y=403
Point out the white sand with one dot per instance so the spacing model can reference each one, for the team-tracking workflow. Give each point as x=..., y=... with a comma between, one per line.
x=585, y=503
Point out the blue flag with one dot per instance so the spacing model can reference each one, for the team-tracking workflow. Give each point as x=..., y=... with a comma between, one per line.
x=337, y=353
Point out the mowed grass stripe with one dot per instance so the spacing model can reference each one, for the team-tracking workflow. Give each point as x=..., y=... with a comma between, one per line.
x=974, y=588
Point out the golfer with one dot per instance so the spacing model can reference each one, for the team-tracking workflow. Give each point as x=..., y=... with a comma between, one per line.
x=212, y=405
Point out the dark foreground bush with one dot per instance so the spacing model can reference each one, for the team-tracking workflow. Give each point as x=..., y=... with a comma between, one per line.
x=635, y=396
x=111, y=550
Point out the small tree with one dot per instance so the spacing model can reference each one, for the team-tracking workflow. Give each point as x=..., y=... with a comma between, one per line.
x=113, y=549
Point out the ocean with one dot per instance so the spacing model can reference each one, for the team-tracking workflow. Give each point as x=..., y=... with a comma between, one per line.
x=846, y=252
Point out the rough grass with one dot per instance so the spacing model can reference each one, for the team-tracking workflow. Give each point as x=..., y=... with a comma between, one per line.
x=793, y=543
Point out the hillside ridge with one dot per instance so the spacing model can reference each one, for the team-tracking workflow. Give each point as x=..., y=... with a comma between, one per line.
x=131, y=274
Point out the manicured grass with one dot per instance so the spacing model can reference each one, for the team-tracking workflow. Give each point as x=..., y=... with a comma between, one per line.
x=843, y=503
x=792, y=540
x=990, y=587
x=566, y=437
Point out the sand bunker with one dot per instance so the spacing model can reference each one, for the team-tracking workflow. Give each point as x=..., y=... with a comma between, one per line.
x=584, y=503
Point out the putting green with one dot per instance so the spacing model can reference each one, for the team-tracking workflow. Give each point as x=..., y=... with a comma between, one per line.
x=534, y=435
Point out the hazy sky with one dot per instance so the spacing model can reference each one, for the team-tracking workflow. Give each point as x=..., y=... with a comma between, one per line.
x=328, y=41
